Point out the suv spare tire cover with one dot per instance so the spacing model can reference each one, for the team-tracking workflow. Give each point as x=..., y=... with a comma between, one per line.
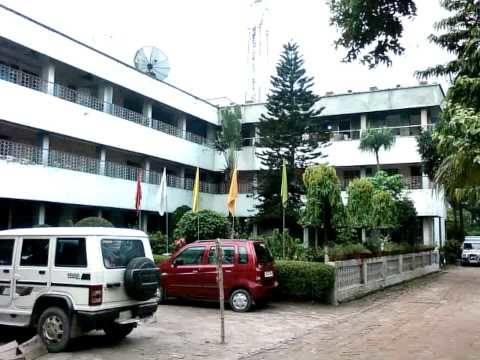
x=141, y=279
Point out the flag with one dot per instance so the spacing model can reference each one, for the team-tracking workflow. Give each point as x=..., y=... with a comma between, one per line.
x=196, y=192
x=284, y=190
x=233, y=192
x=162, y=194
x=138, y=195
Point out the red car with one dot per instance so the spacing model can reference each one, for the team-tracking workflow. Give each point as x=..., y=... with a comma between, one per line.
x=248, y=271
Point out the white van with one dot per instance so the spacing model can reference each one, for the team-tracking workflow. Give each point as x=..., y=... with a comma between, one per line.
x=67, y=281
x=471, y=250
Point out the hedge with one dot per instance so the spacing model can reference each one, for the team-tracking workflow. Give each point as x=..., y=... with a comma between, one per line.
x=304, y=280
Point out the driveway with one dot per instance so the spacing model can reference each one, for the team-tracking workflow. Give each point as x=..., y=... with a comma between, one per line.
x=436, y=317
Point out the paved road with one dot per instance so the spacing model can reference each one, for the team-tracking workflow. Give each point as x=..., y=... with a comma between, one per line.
x=437, y=317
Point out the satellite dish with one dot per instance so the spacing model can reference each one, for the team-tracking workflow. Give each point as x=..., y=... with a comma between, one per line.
x=152, y=61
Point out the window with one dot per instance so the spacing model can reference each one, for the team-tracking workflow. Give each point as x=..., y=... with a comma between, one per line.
x=471, y=246
x=71, y=253
x=6, y=252
x=242, y=255
x=34, y=252
x=263, y=255
x=117, y=253
x=228, y=255
x=191, y=256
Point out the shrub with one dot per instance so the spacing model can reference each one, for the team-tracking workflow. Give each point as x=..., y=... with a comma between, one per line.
x=158, y=259
x=93, y=222
x=294, y=249
x=304, y=280
x=158, y=242
x=348, y=251
x=452, y=250
x=212, y=225
x=178, y=213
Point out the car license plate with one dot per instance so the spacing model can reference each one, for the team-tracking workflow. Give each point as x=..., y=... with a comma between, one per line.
x=124, y=315
x=268, y=274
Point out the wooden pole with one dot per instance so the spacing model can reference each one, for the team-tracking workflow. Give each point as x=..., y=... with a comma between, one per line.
x=221, y=296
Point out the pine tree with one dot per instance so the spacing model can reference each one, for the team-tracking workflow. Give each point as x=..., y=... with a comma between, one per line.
x=287, y=131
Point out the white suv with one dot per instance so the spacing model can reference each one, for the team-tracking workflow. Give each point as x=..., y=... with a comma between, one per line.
x=67, y=281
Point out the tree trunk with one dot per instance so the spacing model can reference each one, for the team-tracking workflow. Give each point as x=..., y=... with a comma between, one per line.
x=455, y=221
x=462, y=227
x=378, y=161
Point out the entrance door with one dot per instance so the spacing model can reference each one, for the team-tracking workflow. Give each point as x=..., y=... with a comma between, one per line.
x=6, y=270
x=32, y=276
x=183, y=279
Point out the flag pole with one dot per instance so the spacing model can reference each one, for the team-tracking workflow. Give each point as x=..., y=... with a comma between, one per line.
x=166, y=227
x=233, y=226
x=283, y=231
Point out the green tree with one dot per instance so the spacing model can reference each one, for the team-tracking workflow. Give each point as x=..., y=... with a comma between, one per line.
x=427, y=147
x=371, y=29
x=93, y=221
x=323, y=208
x=384, y=208
x=285, y=135
x=204, y=224
x=393, y=184
x=374, y=139
x=229, y=140
x=359, y=205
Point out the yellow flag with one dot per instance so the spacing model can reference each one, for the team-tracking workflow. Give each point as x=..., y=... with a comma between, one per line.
x=196, y=192
x=284, y=190
x=232, y=194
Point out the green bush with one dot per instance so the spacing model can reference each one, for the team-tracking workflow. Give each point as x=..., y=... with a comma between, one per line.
x=158, y=259
x=348, y=251
x=294, y=249
x=210, y=223
x=304, y=280
x=93, y=222
x=158, y=242
x=452, y=250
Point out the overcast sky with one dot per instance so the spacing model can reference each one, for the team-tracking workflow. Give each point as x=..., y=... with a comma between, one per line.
x=206, y=40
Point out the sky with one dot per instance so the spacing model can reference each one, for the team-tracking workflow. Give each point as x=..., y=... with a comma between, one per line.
x=206, y=41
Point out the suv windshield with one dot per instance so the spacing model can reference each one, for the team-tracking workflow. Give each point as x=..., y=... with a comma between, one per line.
x=118, y=253
x=263, y=254
x=471, y=246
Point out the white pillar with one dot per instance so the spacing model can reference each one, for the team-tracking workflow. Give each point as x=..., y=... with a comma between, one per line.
x=144, y=222
x=363, y=172
x=146, y=169
x=147, y=111
x=211, y=133
x=103, y=161
x=427, y=231
x=306, y=240
x=99, y=213
x=10, y=217
x=105, y=94
x=363, y=122
x=41, y=214
x=47, y=74
x=45, y=149
x=182, y=123
x=424, y=119
x=255, y=231
x=181, y=175
x=425, y=181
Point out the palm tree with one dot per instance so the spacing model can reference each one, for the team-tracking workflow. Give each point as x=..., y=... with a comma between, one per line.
x=374, y=139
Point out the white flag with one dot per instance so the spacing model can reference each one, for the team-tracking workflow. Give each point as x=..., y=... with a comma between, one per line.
x=162, y=194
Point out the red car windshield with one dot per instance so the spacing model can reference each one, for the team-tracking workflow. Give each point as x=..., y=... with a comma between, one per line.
x=263, y=254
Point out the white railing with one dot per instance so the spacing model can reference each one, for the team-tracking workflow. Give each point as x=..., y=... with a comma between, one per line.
x=71, y=161
x=121, y=171
x=34, y=82
x=22, y=153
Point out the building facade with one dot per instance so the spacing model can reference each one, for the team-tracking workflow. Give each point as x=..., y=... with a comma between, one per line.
x=77, y=126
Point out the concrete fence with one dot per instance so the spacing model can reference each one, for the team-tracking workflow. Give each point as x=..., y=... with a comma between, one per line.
x=358, y=277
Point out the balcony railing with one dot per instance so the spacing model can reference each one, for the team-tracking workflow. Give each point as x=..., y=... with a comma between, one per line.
x=22, y=153
x=75, y=162
x=34, y=82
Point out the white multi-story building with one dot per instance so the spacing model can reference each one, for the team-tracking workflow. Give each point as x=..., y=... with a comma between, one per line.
x=76, y=125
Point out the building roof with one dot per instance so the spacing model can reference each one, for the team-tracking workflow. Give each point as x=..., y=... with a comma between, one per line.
x=73, y=231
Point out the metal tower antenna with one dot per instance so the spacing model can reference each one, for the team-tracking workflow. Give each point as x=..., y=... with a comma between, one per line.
x=258, y=52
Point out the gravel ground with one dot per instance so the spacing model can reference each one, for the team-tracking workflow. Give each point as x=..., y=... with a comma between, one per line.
x=436, y=317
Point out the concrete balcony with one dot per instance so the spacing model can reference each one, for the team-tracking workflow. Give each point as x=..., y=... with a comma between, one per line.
x=74, y=179
x=31, y=107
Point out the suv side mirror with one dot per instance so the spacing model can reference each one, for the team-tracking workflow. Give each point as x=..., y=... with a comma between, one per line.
x=177, y=262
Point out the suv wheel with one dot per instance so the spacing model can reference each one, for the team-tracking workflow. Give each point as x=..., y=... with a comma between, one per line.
x=240, y=300
x=54, y=327
x=116, y=332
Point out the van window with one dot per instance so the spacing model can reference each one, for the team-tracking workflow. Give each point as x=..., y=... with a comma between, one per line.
x=228, y=255
x=242, y=255
x=191, y=256
x=71, y=253
x=6, y=252
x=263, y=254
x=471, y=246
x=34, y=252
x=117, y=253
